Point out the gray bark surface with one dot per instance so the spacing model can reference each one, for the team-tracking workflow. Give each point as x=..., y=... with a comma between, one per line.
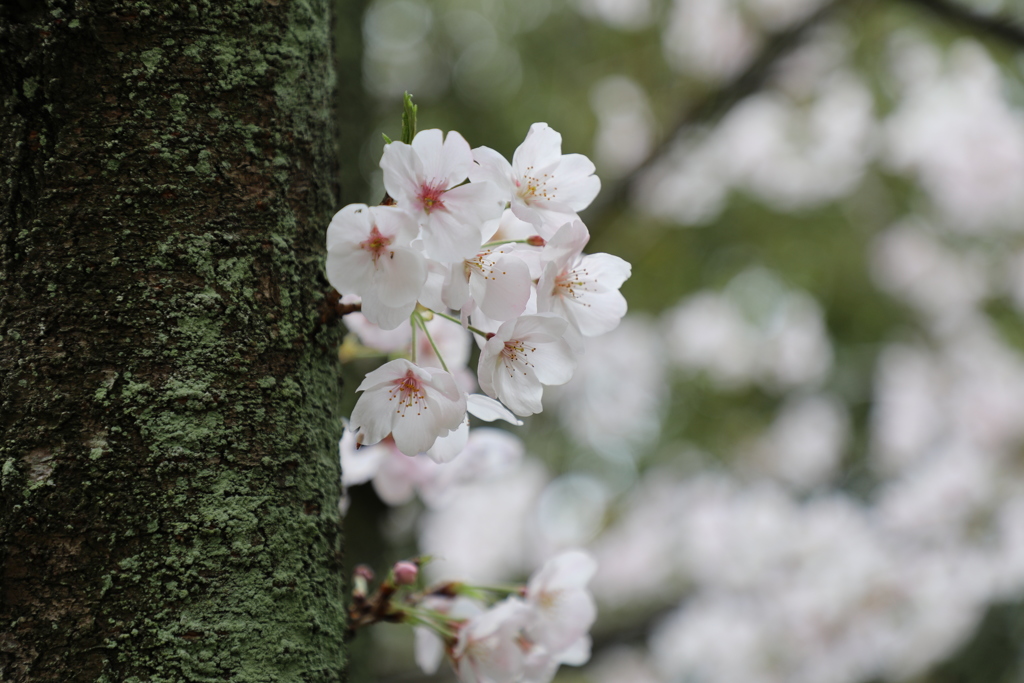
x=168, y=399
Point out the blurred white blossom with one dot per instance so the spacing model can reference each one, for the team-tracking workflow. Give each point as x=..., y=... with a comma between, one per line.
x=955, y=131
x=804, y=445
x=756, y=332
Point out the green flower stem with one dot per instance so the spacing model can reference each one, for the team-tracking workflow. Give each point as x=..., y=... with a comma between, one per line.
x=408, y=119
x=472, y=329
x=412, y=323
x=423, y=326
x=432, y=619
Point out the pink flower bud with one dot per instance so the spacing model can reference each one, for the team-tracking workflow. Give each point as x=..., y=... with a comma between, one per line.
x=405, y=573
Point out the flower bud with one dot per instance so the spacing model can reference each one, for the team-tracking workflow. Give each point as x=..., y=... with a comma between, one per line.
x=405, y=573
x=536, y=241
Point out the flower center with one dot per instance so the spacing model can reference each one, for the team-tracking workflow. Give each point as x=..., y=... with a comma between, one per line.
x=410, y=393
x=547, y=600
x=572, y=283
x=535, y=187
x=515, y=355
x=376, y=243
x=430, y=197
x=482, y=264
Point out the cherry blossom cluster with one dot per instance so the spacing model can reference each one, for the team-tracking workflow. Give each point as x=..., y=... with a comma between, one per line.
x=489, y=634
x=494, y=247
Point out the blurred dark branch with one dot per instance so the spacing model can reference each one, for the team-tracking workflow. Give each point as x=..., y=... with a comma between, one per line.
x=985, y=25
x=716, y=103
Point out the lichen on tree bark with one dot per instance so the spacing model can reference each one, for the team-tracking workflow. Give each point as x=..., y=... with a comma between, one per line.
x=168, y=403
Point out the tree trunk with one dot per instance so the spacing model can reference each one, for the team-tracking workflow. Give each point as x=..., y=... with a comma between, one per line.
x=168, y=399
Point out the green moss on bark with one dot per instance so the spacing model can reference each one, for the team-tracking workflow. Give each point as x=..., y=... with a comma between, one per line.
x=168, y=404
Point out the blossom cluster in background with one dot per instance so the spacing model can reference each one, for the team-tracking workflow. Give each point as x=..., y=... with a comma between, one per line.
x=798, y=458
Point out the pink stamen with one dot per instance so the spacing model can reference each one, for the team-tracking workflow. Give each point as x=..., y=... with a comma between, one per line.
x=376, y=244
x=430, y=197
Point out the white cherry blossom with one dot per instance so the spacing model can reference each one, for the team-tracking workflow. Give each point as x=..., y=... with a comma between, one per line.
x=546, y=187
x=583, y=289
x=495, y=280
x=524, y=355
x=425, y=178
x=488, y=649
x=368, y=254
x=564, y=609
x=416, y=405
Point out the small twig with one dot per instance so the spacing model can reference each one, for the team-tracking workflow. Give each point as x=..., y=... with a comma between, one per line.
x=332, y=310
x=717, y=102
x=1000, y=28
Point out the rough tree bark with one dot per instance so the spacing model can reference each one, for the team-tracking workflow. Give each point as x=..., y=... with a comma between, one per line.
x=168, y=400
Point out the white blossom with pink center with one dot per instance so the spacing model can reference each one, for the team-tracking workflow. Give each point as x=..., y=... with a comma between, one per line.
x=425, y=178
x=564, y=609
x=522, y=357
x=583, y=289
x=415, y=405
x=368, y=254
x=488, y=648
x=496, y=280
x=546, y=187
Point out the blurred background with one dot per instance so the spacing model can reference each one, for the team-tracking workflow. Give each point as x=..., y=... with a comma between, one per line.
x=799, y=458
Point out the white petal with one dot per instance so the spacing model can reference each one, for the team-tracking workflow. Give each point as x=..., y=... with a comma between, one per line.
x=388, y=373
x=489, y=410
x=352, y=223
x=570, y=569
x=358, y=465
x=430, y=295
x=567, y=244
x=564, y=620
x=372, y=417
x=507, y=290
x=374, y=337
x=349, y=268
x=416, y=431
x=489, y=364
x=455, y=293
x=429, y=649
x=576, y=182
x=403, y=173
x=521, y=391
x=396, y=482
x=443, y=389
x=542, y=146
x=451, y=236
x=448, y=447
x=553, y=362
x=597, y=313
x=578, y=653
x=399, y=276
x=384, y=316
x=448, y=162
x=492, y=167
x=606, y=271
